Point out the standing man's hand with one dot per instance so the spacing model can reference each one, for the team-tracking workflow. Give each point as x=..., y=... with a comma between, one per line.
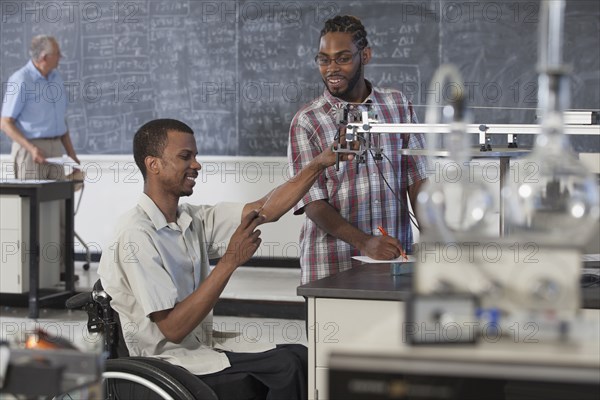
x=8, y=125
x=37, y=155
x=382, y=248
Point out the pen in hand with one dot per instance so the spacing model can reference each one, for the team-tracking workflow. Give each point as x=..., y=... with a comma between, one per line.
x=384, y=233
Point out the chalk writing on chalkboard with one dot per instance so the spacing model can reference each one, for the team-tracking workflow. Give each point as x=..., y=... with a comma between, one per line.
x=237, y=71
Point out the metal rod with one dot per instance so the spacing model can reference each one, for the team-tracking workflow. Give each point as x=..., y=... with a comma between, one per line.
x=494, y=129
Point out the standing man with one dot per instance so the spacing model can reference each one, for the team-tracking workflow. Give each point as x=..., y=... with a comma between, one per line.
x=346, y=208
x=33, y=113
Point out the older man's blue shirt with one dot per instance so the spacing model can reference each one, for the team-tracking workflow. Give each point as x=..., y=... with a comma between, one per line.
x=37, y=104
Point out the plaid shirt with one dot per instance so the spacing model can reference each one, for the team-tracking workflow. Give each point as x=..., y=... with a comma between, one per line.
x=358, y=192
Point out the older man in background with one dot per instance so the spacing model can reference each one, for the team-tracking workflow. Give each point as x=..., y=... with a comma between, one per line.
x=33, y=113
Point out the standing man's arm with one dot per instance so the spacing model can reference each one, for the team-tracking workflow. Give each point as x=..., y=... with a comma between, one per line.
x=68, y=145
x=329, y=220
x=303, y=148
x=417, y=173
x=413, y=192
x=8, y=126
x=378, y=247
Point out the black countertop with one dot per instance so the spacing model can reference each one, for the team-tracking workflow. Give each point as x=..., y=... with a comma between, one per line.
x=375, y=282
x=364, y=281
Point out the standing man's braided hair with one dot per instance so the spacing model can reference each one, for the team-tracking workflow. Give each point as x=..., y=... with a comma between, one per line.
x=349, y=24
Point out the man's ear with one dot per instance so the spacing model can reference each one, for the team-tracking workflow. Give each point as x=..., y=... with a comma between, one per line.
x=152, y=165
x=366, y=55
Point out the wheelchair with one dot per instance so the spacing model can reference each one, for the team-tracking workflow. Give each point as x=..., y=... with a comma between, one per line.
x=127, y=377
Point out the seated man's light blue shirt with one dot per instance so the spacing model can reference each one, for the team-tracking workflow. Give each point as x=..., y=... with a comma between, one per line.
x=37, y=104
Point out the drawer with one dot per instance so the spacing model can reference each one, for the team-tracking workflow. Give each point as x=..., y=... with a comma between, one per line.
x=344, y=322
x=10, y=211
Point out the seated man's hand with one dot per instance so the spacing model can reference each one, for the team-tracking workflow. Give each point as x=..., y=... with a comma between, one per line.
x=329, y=156
x=245, y=240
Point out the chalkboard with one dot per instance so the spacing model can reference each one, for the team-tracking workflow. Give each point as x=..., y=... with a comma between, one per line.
x=237, y=71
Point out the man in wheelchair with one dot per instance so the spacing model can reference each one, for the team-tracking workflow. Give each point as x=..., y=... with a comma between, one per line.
x=156, y=270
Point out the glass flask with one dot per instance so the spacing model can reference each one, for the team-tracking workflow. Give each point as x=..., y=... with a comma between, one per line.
x=452, y=206
x=551, y=197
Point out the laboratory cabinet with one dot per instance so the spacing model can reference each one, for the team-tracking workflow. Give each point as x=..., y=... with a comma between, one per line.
x=17, y=247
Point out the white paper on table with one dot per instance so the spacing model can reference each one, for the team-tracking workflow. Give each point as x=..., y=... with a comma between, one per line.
x=26, y=181
x=370, y=260
x=590, y=257
x=64, y=160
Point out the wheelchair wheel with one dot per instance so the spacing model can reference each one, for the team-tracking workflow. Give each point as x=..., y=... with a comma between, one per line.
x=130, y=379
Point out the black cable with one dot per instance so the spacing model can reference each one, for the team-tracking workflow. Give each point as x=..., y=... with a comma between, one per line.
x=400, y=199
x=590, y=280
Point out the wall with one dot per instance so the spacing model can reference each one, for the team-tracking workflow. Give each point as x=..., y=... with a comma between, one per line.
x=113, y=185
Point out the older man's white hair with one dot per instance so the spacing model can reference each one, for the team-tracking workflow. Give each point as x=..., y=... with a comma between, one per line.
x=41, y=45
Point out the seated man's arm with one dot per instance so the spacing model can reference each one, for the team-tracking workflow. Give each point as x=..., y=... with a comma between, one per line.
x=179, y=321
x=281, y=199
x=176, y=323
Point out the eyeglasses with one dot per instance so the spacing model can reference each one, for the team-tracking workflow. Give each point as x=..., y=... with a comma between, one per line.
x=342, y=59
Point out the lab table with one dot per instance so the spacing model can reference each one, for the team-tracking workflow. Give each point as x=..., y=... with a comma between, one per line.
x=366, y=301
x=37, y=192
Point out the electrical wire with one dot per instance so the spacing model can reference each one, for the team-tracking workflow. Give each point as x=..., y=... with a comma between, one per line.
x=400, y=199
